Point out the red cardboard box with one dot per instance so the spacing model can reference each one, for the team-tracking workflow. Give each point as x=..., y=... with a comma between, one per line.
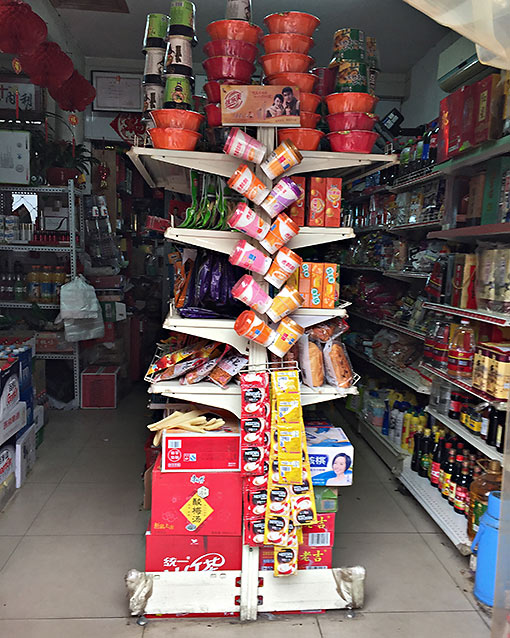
x=488, y=103
x=444, y=131
x=169, y=553
x=308, y=557
x=333, y=202
x=316, y=212
x=189, y=451
x=99, y=387
x=52, y=342
x=322, y=533
x=191, y=503
x=455, y=105
x=156, y=223
x=297, y=209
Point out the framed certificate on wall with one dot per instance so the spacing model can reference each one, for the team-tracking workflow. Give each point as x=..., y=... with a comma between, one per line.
x=117, y=91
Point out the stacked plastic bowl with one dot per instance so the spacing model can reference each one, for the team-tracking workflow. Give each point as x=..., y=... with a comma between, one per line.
x=176, y=129
x=351, y=121
x=231, y=54
x=286, y=63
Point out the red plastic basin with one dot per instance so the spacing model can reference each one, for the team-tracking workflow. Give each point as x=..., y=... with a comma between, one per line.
x=213, y=115
x=351, y=121
x=222, y=66
x=212, y=89
x=292, y=22
x=285, y=63
x=177, y=118
x=326, y=80
x=352, y=141
x=234, y=48
x=351, y=102
x=309, y=120
x=305, y=81
x=234, y=30
x=177, y=139
x=309, y=101
x=305, y=139
x=287, y=43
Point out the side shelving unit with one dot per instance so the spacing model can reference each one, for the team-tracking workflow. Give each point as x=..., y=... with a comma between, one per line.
x=75, y=228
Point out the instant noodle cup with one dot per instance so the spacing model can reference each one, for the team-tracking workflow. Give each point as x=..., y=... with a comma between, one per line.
x=246, y=256
x=246, y=183
x=240, y=144
x=247, y=221
x=286, y=261
x=252, y=327
x=281, y=159
x=284, y=193
x=282, y=230
x=285, y=302
x=287, y=333
x=250, y=293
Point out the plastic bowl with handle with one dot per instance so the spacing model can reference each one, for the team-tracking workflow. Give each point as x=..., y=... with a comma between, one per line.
x=285, y=63
x=177, y=118
x=177, y=139
x=352, y=141
x=234, y=30
x=305, y=139
x=287, y=43
x=223, y=66
x=351, y=102
x=292, y=22
x=305, y=81
x=235, y=48
x=351, y=121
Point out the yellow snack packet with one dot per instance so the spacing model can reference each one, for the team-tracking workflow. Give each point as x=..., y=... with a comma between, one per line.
x=285, y=561
x=285, y=381
x=290, y=468
x=289, y=438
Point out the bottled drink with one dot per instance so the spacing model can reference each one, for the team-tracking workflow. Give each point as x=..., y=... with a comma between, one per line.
x=484, y=426
x=417, y=449
x=426, y=148
x=425, y=456
x=493, y=426
x=433, y=144
x=428, y=345
x=447, y=473
x=456, y=399
x=46, y=285
x=415, y=424
x=435, y=467
x=461, y=352
x=462, y=490
x=475, y=422
x=454, y=477
x=399, y=422
x=479, y=494
x=406, y=429
x=441, y=343
x=500, y=434
x=19, y=288
x=418, y=155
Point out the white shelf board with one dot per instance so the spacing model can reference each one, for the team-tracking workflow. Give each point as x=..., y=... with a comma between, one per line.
x=315, y=161
x=496, y=318
x=413, y=382
x=476, y=441
x=453, y=525
x=223, y=241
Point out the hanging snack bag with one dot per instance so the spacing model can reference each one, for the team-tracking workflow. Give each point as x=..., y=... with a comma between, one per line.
x=337, y=365
x=311, y=362
x=227, y=368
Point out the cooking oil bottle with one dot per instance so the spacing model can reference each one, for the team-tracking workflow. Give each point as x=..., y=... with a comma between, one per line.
x=479, y=493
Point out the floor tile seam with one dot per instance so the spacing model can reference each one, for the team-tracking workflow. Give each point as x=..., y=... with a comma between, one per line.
x=20, y=538
x=419, y=611
x=390, y=490
x=319, y=628
x=83, y=534
x=42, y=506
x=451, y=577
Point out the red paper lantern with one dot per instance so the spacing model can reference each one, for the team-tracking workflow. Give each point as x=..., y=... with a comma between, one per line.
x=48, y=66
x=75, y=94
x=21, y=30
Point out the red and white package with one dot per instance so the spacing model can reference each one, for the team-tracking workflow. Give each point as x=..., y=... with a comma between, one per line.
x=254, y=430
x=254, y=532
x=253, y=483
x=255, y=394
x=252, y=460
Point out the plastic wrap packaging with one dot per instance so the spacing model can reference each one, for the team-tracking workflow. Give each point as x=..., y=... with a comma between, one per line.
x=337, y=365
x=78, y=300
x=311, y=362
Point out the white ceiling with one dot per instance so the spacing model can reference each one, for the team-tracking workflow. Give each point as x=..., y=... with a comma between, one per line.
x=403, y=33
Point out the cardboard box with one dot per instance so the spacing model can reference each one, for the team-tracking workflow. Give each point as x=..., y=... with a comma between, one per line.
x=308, y=557
x=251, y=105
x=190, y=451
x=331, y=286
x=326, y=498
x=322, y=533
x=7, y=474
x=455, y=102
x=189, y=503
x=170, y=553
x=316, y=211
x=463, y=288
x=107, y=282
x=331, y=455
x=333, y=202
x=310, y=284
x=443, y=140
x=113, y=310
x=25, y=454
x=297, y=210
x=475, y=203
x=496, y=168
x=9, y=385
x=52, y=342
x=14, y=419
x=99, y=387
x=26, y=396
x=158, y=224
x=488, y=101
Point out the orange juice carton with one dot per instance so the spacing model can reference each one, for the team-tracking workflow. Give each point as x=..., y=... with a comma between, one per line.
x=296, y=210
x=333, y=202
x=310, y=284
x=316, y=202
x=331, y=286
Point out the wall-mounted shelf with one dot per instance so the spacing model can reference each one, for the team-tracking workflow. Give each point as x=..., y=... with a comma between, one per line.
x=27, y=304
x=472, y=234
x=496, y=318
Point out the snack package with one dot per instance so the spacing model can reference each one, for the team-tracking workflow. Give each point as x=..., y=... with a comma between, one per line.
x=311, y=362
x=201, y=372
x=290, y=468
x=333, y=202
x=285, y=561
x=254, y=532
x=289, y=438
x=311, y=283
x=227, y=368
x=285, y=381
x=337, y=365
x=278, y=500
x=331, y=286
x=327, y=330
x=172, y=358
x=276, y=529
x=255, y=394
x=253, y=430
x=252, y=460
x=316, y=202
x=297, y=209
x=288, y=408
x=256, y=482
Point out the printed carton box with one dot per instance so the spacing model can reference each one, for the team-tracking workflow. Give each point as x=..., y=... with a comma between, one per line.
x=331, y=455
x=311, y=277
x=316, y=213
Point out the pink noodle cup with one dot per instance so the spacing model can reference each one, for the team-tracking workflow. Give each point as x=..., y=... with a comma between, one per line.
x=250, y=258
x=240, y=144
x=248, y=222
x=250, y=293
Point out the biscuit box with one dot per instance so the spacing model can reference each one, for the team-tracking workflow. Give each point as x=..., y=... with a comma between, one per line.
x=191, y=503
x=169, y=553
x=311, y=284
x=331, y=455
x=331, y=286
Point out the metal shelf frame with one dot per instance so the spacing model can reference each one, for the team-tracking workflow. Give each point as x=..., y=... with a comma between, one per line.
x=27, y=304
x=496, y=318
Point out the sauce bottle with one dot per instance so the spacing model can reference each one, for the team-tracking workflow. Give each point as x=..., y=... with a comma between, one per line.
x=455, y=476
x=425, y=456
x=479, y=494
x=462, y=490
x=447, y=473
x=461, y=352
x=417, y=449
x=500, y=433
x=435, y=467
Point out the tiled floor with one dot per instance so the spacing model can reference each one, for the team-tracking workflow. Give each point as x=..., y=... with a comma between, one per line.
x=76, y=527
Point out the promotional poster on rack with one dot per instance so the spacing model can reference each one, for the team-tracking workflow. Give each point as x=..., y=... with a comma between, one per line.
x=260, y=105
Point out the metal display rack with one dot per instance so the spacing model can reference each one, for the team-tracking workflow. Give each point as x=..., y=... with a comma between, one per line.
x=257, y=591
x=75, y=227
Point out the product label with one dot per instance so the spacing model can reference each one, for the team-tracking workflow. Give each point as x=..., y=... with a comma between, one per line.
x=459, y=501
x=196, y=511
x=434, y=473
x=446, y=483
x=460, y=362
